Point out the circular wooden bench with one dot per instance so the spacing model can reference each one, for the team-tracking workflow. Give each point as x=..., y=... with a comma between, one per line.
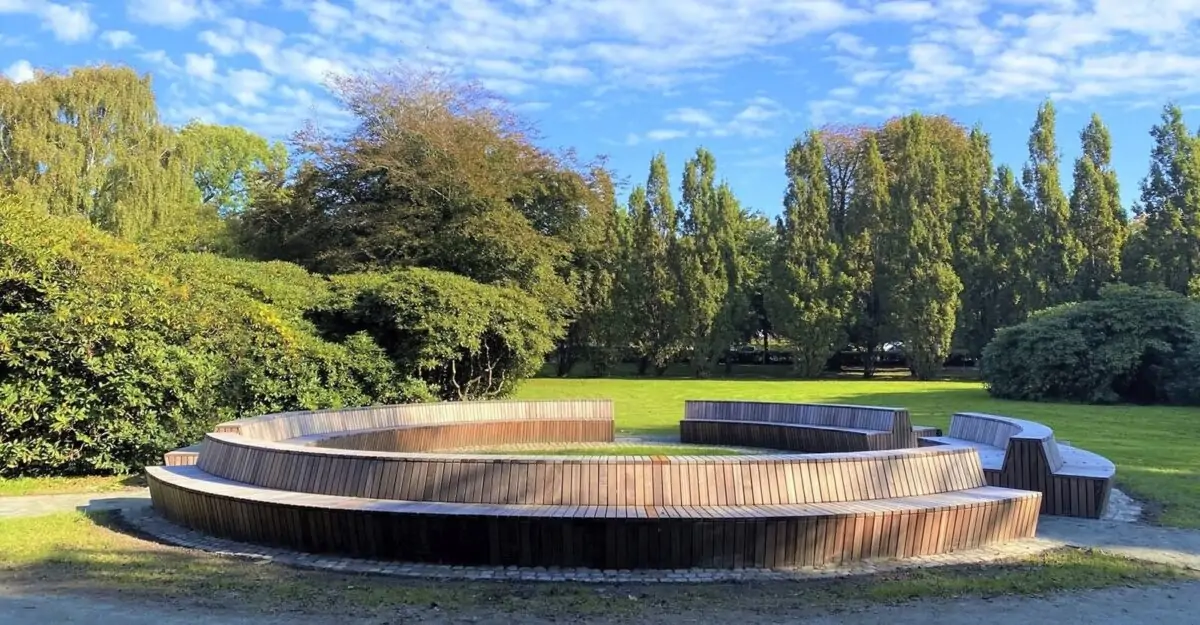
x=1023, y=454
x=796, y=427
x=289, y=480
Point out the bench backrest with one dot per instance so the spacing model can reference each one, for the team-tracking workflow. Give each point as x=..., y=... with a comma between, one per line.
x=595, y=481
x=1022, y=440
x=285, y=425
x=894, y=420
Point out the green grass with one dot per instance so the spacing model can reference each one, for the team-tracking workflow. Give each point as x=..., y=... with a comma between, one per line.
x=22, y=486
x=616, y=450
x=1156, y=449
x=77, y=553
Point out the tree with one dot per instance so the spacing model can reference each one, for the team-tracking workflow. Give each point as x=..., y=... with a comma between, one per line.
x=973, y=245
x=1169, y=210
x=223, y=159
x=919, y=284
x=1058, y=250
x=843, y=157
x=862, y=259
x=600, y=323
x=808, y=295
x=89, y=144
x=437, y=173
x=1096, y=214
x=651, y=286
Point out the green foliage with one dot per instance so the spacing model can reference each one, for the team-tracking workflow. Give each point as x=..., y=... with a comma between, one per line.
x=1166, y=243
x=457, y=338
x=1058, y=249
x=110, y=355
x=808, y=296
x=223, y=159
x=89, y=144
x=1097, y=217
x=918, y=283
x=1133, y=344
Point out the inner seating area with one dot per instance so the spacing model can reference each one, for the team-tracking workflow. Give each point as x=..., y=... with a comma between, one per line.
x=368, y=482
x=1023, y=454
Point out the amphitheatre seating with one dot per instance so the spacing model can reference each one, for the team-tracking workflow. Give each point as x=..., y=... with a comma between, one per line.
x=298, y=484
x=1023, y=454
x=186, y=455
x=796, y=427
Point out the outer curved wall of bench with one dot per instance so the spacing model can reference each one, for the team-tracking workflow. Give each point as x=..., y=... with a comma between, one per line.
x=594, y=481
x=280, y=426
x=508, y=538
x=1033, y=461
x=893, y=424
x=781, y=436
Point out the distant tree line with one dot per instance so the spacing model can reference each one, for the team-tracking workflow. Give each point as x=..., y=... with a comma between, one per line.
x=902, y=234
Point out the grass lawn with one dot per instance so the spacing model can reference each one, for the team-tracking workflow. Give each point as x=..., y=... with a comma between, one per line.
x=1156, y=449
x=616, y=450
x=75, y=553
x=20, y=486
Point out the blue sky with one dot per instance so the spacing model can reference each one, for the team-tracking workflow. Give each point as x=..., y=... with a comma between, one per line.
x=628, y=78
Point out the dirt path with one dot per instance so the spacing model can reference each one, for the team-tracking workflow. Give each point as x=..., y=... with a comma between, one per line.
x=1162, y=605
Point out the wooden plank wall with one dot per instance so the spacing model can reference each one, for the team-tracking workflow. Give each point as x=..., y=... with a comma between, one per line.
x=296, y=424
x=594, y=481
x=663, y=538
x=784, y=436
x=1033, y=461
x=895, y=421
x=471, y=434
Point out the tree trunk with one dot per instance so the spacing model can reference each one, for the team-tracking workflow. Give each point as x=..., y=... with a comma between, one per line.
x=643, y=365
x=869, y=361
x=766, y=347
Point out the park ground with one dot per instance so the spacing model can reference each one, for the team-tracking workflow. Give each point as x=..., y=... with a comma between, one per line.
x=52, y=562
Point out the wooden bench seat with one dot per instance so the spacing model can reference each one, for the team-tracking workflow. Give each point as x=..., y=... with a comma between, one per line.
x=593, y=480
x=645, y=536
x=796, y=427
x=182, y=456
x=1016, y=453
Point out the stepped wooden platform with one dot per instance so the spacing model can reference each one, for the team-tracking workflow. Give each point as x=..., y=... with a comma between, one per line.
x=368, y=482
x=1024, y=454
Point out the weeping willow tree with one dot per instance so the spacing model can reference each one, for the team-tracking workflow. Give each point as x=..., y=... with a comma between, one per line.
x=89, y=144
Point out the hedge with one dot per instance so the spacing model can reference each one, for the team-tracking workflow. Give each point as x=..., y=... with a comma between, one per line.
x=1134, y=344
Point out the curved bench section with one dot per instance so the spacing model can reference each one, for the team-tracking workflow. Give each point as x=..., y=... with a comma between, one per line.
x=1023, y=454
x=595, y=481
x=796, y=427
x=291, y=480
x=612, y=537
x=292, y=425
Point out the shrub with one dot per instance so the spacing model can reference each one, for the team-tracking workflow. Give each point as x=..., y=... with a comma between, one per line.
x=462, y=339
x=110, y=355
x=1133, y=344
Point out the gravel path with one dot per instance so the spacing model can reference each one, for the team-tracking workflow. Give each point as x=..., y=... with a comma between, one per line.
x=1163, y=605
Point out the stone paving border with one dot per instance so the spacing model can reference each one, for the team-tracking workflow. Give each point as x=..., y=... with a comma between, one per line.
x=146, y=521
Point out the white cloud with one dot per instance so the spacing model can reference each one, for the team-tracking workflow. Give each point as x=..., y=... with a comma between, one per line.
x=170, y=13
x=20, y=71
x=202, y=67
x=117, y=39
x=852, y=44
x=666, y=134
x=247, y=86
x=692, y=116
x=221, y=44
x=69, y=24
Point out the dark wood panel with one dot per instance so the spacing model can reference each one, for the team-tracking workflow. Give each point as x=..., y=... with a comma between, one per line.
x=761, y=537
